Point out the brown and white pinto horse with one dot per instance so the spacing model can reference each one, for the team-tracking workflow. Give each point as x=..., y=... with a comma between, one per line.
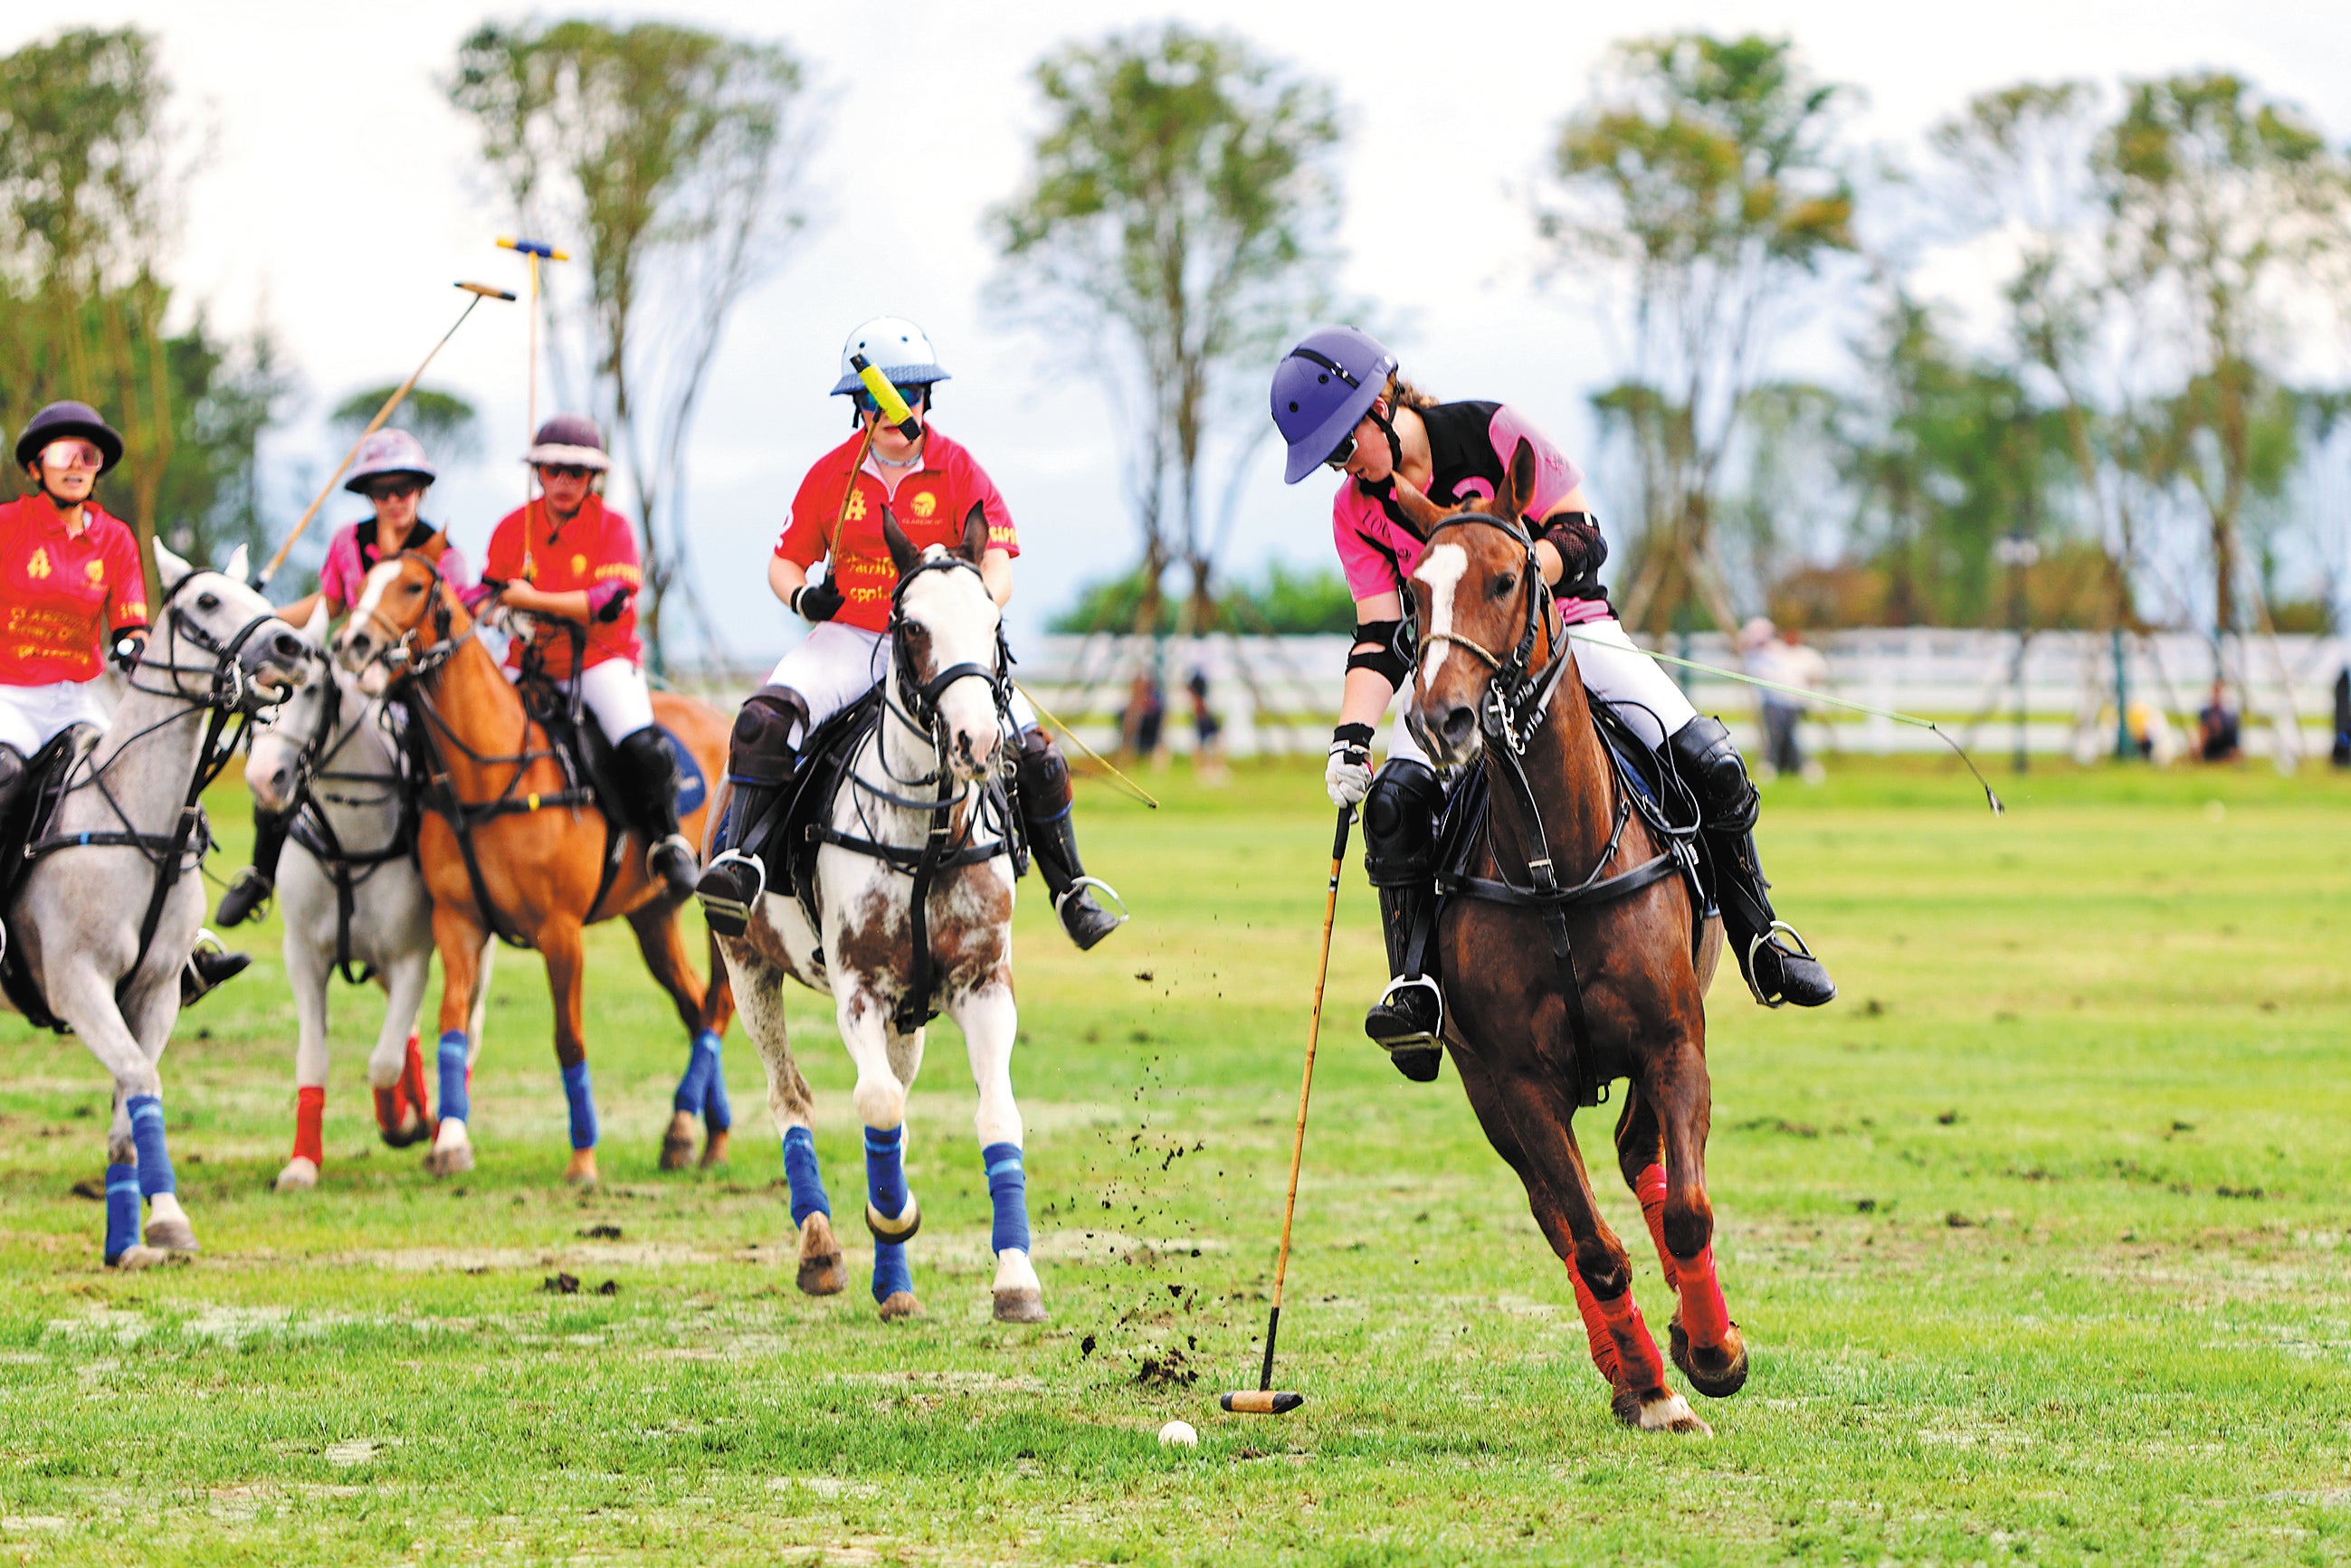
x=506, y=847
x=1546, y=1004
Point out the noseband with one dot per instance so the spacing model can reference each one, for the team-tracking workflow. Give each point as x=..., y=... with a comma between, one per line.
x=399, y=655
x=229, y=691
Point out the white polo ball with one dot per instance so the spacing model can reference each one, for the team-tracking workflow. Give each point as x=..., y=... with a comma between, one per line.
x=1179, y=1434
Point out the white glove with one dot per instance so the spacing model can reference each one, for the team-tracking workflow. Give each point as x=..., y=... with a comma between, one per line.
x=1348, y=776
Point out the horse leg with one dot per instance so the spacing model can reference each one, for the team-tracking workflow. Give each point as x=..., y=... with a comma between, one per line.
x=793, y=1108
x=1640, y=1158
x=1540, y=1112
x=559, y=941
x=306, y=971
x=395, y=1070
x=702, y=1091
x=1485, y=1101
x=990, y=1021
x=1707, y=1345
x=460, y=942
x=877, y=1050
x=147, y=1014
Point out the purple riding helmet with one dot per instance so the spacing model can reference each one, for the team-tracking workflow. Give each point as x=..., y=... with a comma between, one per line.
x=1322, y=389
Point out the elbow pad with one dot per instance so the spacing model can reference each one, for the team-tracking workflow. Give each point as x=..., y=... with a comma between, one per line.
x=1384, y=656
x=1582, y=551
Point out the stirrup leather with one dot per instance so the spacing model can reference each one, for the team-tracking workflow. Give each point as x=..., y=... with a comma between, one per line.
x=1763, y=939
x=728, y=906
x=1423, y=1041
x=1098, y=885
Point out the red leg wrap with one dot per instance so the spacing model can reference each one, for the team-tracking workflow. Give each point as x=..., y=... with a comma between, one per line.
x=1704, y=1317
x=1650, y=1188
x=310, y=1112
x=1595, y=1327
x=1637, y=1352
x=412, y=1084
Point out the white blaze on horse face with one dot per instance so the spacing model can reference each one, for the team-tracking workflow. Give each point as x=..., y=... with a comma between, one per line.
x=955, y=607
x=1442, y=568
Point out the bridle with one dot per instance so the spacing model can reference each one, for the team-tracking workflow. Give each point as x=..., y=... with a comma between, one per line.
x=1517, y=698
x=921, y=712
x=399, y=655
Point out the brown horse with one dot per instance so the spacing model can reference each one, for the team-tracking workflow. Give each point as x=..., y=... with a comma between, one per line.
x=1574, y=953
x=510, y=848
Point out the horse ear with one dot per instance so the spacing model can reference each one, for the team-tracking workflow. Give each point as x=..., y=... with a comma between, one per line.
x=238, y=566
x=169, y=566
x=903, y=553
x=1519, y=493
x=314, y=630
x=975, y=534
x=1421, y=513
x=432, y=549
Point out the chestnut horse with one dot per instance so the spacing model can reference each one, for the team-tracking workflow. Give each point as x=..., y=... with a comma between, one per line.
x=510, y=847
x=1573, y=952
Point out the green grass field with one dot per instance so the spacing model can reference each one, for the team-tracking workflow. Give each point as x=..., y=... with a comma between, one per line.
x=2037, y=1237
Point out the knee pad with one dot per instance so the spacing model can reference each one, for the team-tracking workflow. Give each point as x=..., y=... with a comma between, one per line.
x=12, y=768
x=1044, y=775
x=1400, y=823
x=767, y=729
x=1710, y=765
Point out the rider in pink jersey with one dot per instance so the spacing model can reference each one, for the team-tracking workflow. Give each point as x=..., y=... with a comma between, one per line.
x=1339, y=402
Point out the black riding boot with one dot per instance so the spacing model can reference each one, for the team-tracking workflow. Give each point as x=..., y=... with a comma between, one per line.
x=648, y=772
x=760, y=762
x=207, y=968
x=1400, y=858
x=1710, y=765
x=255, y=883
x=13, y=768
x=1045, y=802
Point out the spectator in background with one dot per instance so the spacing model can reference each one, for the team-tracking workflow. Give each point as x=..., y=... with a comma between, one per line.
x=1209, y=761
x=2219, y=733
x=1146, y=713
x=2342, y=752
x=1783, y=658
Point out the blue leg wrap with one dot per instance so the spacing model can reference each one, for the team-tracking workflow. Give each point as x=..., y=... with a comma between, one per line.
x=122, y=1211
x=147, y=1135
x=800, y=1169
x=701, y=1065
x=885, y=1170
x=891, y=1274
x=582, y=1095
x=1008, y=1188
x=715, y=1111
x=456, y=1103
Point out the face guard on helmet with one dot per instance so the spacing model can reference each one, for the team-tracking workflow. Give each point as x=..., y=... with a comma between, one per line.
x=1322, y=390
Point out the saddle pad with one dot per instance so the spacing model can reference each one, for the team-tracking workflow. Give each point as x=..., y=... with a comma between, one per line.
x=693, y=788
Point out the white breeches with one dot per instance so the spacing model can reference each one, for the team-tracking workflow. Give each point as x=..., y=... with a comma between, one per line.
x=616, y=693
x=32, y=716
x=1615, y=670
x=834, y=665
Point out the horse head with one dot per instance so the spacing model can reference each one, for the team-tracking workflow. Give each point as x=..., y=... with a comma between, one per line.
x=1486, y=624
x=944, y=664
x=218, y=641
x=404, y=610
x=273, y=768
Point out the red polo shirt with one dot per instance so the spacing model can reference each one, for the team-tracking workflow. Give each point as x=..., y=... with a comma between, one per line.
x=596, y=546
x=60, y=595
x=931, y=505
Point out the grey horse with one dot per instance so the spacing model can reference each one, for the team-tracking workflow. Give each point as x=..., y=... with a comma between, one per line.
x=78, y=913
x=329, y=745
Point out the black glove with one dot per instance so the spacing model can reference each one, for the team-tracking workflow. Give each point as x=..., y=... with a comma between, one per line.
x=817, y=600
x=129, y=643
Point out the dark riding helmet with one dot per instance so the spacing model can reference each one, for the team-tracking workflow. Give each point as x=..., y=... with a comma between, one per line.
x=63, y=422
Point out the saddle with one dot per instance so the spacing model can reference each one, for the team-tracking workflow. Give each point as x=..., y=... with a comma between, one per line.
x=585, y=753
x=787, y=850
x=27, y=823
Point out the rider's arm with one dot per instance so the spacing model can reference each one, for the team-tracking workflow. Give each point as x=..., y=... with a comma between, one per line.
x=996, y=570
x=1546, y=553
x=298, y=613
x=1368, y=692
x=571, y=605
x=784, y=577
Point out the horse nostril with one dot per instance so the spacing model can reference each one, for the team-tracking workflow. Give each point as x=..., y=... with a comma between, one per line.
x=1458, y=723
x=287, y=646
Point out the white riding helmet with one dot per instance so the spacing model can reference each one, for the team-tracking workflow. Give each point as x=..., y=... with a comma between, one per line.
x=387, y=452
x=895, y=346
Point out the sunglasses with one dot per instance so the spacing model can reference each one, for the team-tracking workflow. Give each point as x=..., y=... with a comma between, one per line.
x=73, y=454
x=564, y=471
x=394, y=489
x=915, y=395
x=1342, y=453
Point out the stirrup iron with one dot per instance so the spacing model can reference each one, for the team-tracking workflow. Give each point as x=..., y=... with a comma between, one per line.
x=1098, y=885
x=727, y=906
x=1429, y=1040
x=1762, y=939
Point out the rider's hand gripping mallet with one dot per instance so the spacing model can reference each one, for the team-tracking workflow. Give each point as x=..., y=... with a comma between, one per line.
x=1265, y=1399
x=479, y=292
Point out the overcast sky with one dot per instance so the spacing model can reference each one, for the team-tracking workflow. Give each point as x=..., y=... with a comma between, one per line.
x=341, y=199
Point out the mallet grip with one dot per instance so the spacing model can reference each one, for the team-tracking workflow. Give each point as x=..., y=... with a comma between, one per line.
x=1261, y=1402
x=886, y=395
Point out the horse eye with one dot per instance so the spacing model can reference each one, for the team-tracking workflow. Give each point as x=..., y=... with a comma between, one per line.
x=208, y=602
x=1504, y=585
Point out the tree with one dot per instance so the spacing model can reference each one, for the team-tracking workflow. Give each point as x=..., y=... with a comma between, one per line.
x=1705, y=172
x=1174, y=231
x=447, y=423
x=668, y=158
x=2220, y=201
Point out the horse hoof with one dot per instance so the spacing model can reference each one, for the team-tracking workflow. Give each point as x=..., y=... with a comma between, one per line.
x=300, y=1175
x=677, y=1142
x=134, y=1258
x=1020, y=1307
x=713, y=1152
x=1719, y=1373
x=455, y=1160
x=822, y=1272
x=900, y=1304
x=902, y=1230
x=1663, y=1412
x=171, y=1236
x=584, y=1181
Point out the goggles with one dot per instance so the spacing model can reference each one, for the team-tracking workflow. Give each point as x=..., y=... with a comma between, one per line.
x=1342, y=453
x=564, y=471
x=915, y=396
x=390, y=489
x=73, y=453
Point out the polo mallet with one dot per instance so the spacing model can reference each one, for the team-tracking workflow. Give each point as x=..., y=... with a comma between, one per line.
x=886, y=396
x=478, y=292
x=1265, y=1399
x=537, y=250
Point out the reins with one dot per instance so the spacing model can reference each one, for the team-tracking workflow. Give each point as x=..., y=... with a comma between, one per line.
x=314, y=828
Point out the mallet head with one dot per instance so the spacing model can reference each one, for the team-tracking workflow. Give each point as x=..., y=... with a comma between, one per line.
x=1261, y=1401
x=538, y=247
x=486, y=291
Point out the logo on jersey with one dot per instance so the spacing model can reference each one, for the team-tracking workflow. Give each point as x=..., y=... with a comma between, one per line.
x=38, y=567
x=926, y=504
x=856, y=513
x=578, y=564
x=95, y=571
